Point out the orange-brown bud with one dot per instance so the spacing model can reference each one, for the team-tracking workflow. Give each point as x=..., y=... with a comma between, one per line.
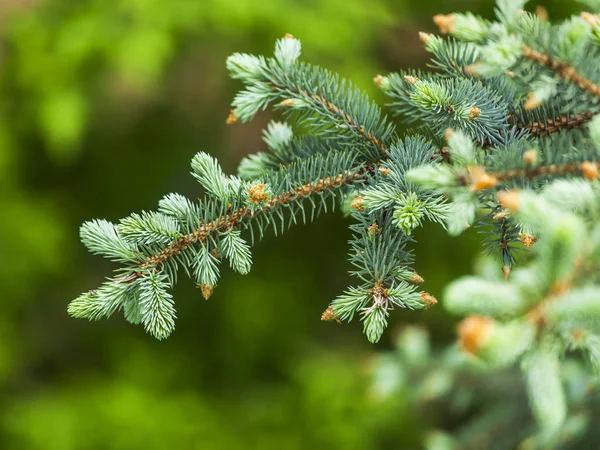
x=358, y=202
x=480, y=180
x=530, y=156
x=509, y=200
x=328, y=315
x=590, y=170
x=474, y=113
x=445, y=22
x=231, y=118
x=428, y=299
x=256, y=194
x=473, y=333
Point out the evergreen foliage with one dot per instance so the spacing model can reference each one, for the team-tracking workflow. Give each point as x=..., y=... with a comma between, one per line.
x=508, y=142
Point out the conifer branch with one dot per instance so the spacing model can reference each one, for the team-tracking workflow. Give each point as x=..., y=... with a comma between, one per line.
x=327, y=107
x=555, y=125
x=225, y=223
x=563, y=70
x=586, y=169
x=530, y=188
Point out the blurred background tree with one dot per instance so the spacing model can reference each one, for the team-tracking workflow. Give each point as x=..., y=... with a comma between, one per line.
x=88, y=91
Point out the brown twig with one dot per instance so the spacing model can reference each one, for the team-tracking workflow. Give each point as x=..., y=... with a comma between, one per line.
x=225, y=223
x=337, y=111
x=541, y=171
x=563, y=70
x=564, y=123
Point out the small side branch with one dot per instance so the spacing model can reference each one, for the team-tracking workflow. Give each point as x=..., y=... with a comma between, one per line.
x=228, y=222
x=563, y=70
x=564, y=123
x=588, y=169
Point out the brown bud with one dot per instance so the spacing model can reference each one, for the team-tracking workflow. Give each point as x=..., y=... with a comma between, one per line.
x=472, y=69
x=384, y=171
x=530, y=156
x=378, y=290
x=410, y=79
x=231, y=118
x=373, y=229
x=480, y=180
x=357, y=203
x=542, y=13
x=591, y=19
x=256, y=194
x=474, y=113
x=206, y=290
x=416, y=279
x=500, y=215
x=428, y=299
x=473, y=333
x=445, y=22
x=448, y=133
x=506, y=272
x=508, y=200
x=289, y=102
x=532, y=102
x=328, y=315
x=424, y=37
x=377, y=80
x=590, y=170
x=527, y=239
x=289, y=36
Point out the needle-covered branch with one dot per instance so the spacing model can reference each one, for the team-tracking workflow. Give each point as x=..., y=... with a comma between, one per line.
x=508, y=143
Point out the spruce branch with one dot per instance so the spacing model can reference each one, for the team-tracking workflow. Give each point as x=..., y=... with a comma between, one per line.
x=228, y=222
x=557, y=124
x=507, y=138
x=563, y=70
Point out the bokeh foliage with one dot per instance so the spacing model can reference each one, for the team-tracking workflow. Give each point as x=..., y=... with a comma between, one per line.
x=101, y=98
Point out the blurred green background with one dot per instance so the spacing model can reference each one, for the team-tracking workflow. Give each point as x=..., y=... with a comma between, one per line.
x=102, y=106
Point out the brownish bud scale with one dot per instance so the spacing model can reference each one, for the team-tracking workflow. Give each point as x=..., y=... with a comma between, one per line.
x=384, y=171
x=358, y=202
x=445, y=22
x=416, y=278
x=480, y=180
x=506, y=272
x=530, y=156
x=448, y=133
x=206, y=290
x=527, y=239
x=329, y=316
x=542, y=13
x=373, y=229
x=532, y=102
x=231, y=118
x=289, y=102
x=428, y=300
x=500, y=215
x=410, y=79
x=378, y=290
x=256, y=194
x=591, y=19
x=589, y=170
x=289, y=36
x=424, y=37
x=474, y=332
x=377, y=80
x=474, y=113
x=508, y=200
